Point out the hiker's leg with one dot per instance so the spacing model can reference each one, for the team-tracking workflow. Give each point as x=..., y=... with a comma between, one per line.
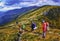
x=31, y=28
x=44, y=34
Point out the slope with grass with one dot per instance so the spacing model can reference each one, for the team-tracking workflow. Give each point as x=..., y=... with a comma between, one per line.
x=9, y=32
x=37, y=16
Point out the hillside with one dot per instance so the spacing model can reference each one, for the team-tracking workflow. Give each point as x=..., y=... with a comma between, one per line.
x=10, y=15
x=49, y=13
x=9, y=32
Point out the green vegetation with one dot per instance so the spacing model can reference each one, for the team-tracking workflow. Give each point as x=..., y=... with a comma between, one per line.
x=10, y=32
x=54, y=16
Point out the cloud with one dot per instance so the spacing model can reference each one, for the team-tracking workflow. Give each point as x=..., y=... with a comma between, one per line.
x=1, y=4
x=39, y=3
x=51, y=2
x=11, y=2
x=25, y=3
x=9, y=8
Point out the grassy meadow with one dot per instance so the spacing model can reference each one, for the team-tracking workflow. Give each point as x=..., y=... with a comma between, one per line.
x=9, y=32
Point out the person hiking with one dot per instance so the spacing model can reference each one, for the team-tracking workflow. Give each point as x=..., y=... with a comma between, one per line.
x=19, y=26
x=33, y=26
x=44, y=28
x=19, y=31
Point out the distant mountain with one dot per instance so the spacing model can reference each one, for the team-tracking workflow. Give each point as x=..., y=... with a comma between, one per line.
x=11, y=15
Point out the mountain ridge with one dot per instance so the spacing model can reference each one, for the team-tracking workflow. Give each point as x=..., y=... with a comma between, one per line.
x=13, y=14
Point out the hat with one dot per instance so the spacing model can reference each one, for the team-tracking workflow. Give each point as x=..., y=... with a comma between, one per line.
x=43, y=20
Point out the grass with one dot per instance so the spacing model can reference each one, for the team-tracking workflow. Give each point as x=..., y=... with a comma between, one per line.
x=9, y=32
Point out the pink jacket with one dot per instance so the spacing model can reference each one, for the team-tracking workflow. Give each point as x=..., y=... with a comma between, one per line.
x=44, y=26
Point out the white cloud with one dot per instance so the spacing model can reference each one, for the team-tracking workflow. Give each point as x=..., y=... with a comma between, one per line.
x=9, y=8
x=1, y=4
x=27, y=4
x=50, y=2
x=39, y=3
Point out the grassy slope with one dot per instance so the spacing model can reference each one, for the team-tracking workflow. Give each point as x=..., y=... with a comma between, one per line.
x=33, y=15
x=10, y=32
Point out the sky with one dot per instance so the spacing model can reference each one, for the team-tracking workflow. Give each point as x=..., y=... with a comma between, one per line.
x=6, y=5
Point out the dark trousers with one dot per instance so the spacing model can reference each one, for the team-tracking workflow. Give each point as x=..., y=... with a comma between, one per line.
x=32, y=29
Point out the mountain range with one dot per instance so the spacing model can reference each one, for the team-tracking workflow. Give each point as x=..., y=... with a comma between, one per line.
x=11, y=15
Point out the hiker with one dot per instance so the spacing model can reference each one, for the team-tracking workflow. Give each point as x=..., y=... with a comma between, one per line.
x=19, y=27
x=19, y=31
x=44, y=27
x=33, y=26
